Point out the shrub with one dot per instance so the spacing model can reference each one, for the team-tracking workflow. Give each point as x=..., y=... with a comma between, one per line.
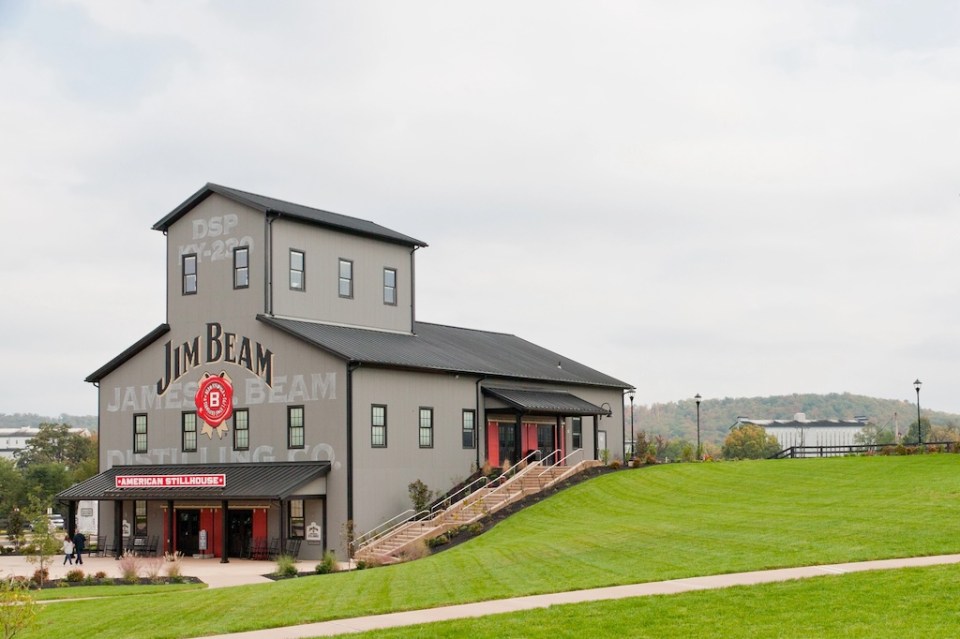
x=100, y=575
x=174, y=566
x=615, y=464
x=40, y=575
x=439, y=540
x=475, y=528
x=286, y=566
x=420, y=495
x=130, y=568
x=74, y=576
x=328, y=564
x=152, y=568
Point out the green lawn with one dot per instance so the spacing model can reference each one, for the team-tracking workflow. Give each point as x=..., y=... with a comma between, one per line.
x=899, y=604
x=640, y=525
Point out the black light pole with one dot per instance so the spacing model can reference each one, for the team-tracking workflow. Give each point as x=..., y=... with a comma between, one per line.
x=633, y=440
x=916, y=385
x=698, y=398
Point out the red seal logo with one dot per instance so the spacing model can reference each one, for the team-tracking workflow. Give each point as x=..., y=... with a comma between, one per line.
x=214, y=399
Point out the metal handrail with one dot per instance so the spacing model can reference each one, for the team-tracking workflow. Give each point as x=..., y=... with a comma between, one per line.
x=506, y=472
x=376, y=533
x=449, y=502
x=562, y=462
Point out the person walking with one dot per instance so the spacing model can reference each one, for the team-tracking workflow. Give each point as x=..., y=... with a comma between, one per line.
x=67, y=550
x=79, y=545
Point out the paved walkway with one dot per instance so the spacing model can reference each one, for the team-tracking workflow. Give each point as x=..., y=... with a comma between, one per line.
x=210, y=571
x=242, y=571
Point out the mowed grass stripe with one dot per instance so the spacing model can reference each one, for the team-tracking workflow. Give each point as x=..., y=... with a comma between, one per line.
x=633, y=526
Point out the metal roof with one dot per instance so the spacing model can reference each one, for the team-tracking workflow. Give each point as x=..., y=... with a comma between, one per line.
x=266, y=480
x=269, y=205
x=434, y=347
x=544, y=402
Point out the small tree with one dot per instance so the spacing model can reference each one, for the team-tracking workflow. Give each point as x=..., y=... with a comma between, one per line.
x=17, y=608
x=45, y=541
x=749, y=441
x=420, y=495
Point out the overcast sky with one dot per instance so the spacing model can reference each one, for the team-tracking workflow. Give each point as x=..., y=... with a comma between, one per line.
x=734, y=199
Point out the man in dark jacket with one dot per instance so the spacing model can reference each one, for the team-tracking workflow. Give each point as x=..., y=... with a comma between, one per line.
x=79, y=543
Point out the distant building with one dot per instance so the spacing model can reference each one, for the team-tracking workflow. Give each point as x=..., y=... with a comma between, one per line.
x=13, y=440
x=801, y=431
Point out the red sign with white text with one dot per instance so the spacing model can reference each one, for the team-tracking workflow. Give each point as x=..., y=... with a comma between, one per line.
x=171, y=481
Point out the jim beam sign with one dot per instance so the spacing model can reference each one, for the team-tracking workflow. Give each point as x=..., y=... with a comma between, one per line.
x=214, y=400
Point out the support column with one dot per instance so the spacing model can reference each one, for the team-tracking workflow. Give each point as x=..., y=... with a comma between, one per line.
x=223, y=532
x=171, y=532
x=118, y=526
x=518, y=439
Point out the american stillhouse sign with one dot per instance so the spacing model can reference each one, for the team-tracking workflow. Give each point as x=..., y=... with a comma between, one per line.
x=172, y=481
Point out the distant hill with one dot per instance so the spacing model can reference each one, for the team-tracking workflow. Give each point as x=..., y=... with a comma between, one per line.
x=19, y=420
x=679, y=419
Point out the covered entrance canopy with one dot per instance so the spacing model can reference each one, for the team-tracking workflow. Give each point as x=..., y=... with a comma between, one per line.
x=273, y=481
x=511, y=441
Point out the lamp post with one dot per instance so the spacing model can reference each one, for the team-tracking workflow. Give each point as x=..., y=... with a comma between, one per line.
x=698, y=398
x=632, y=438
x=917, y=384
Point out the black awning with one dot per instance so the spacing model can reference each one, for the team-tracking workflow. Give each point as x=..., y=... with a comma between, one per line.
x=262, y=480
x=543, y=402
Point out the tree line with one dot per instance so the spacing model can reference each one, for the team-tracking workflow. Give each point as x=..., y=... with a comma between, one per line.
x=52, y=461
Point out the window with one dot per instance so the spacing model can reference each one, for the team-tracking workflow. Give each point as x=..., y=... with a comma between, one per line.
x=241, y=267
x=189, y=268
x=241, y=429
x=426, y=427
x=140, y=518
x=469, y=428
x=189, y=427
x=296, y=519
x=577, y=432
x=390, y=286
x=346, y=278
x=297, y=271
x=139, y=433
x=295, y=427
x=378, y=426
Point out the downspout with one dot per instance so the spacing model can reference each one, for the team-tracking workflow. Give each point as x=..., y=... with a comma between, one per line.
x=268, y=263
x=413, y=290
x=480, y=420
x=351, y=366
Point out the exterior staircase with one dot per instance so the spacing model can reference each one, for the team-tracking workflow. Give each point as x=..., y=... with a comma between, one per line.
x=388, y=544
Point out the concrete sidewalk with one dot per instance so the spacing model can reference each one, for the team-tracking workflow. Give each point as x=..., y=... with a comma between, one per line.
x=378, y=622
x=210, y=571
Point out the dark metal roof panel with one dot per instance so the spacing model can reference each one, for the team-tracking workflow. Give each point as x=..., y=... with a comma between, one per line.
x=266, y=480
x=545, y=402
x=299, y=212
x=127, y=354
x=446, y=348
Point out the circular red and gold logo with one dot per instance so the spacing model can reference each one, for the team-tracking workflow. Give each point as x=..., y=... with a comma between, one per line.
x=214, y=399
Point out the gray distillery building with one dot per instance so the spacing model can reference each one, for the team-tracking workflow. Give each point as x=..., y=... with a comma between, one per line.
x=291, y=388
